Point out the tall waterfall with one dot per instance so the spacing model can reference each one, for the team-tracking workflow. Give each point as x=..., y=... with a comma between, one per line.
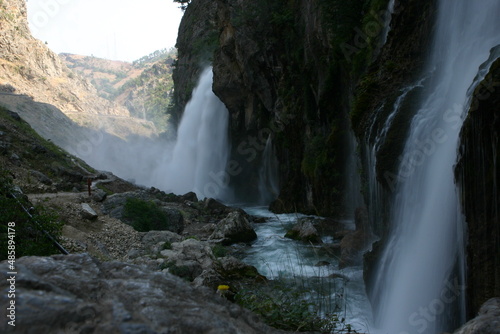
x=421, y=270
x=200, y=154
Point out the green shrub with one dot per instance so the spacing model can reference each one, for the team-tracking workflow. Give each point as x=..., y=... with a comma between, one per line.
x=219, y=251
x=181, y=271
x=145, y=216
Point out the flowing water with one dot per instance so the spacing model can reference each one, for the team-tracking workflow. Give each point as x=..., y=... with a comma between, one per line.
x=333, y=290
x=421, y=271
x=200, y=154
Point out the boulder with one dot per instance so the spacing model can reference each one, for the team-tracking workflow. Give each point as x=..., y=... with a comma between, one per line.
x=214, y=207
x=99, y=195
x=78, y=294
x=487, y=320
x=234, y=228
x=305, y=231
x=88, y=213
x=114, y=206
x=190, y=197
x=188, y=259
x=231, y=268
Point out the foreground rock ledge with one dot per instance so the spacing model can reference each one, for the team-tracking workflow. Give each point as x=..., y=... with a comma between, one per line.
x=79, y=294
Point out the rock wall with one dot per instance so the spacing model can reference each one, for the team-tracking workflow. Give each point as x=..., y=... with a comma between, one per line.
x=306, y=73
x=478, y=175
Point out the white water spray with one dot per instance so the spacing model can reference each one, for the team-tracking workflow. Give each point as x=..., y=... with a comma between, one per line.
x=418, y=273
x=200, y=154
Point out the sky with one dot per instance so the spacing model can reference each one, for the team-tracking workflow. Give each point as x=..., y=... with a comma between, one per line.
x=113, y=29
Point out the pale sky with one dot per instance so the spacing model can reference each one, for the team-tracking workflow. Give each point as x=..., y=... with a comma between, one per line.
x=112, y=29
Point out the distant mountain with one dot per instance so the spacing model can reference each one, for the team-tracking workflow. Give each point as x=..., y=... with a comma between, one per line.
x=28, y=67
x=144, y=86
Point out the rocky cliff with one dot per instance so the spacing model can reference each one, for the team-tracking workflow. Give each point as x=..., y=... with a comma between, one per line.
x=306, y=74
x=28, y=67
x=478, y=175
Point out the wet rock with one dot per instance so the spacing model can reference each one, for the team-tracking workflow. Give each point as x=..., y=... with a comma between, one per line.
x=234, y=228
x=487, y=320
x=305, y=231
x=88, y=213
x=78, y=294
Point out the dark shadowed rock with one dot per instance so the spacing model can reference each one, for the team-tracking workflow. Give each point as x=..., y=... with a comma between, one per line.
x=190, y=196
x=215, y=207
x=234, y=228
x=78, y=294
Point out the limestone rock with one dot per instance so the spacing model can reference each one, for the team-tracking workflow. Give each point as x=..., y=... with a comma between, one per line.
x=231, y=268
x=88, y=213
x=78, y=294
x=234, y=228
x=304, y=230
x=188, y=258
x=487, y=320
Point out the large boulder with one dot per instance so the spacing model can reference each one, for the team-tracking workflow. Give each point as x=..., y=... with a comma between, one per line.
x=78, y=294
x=487, y=320
x=115, y=205
x=234, y=228
x=305, y=231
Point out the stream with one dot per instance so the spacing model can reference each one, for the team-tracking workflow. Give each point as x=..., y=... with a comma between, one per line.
x=332, y=290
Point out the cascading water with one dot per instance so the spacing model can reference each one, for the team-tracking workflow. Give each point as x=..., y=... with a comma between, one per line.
x=419, y=275
x=200, y=154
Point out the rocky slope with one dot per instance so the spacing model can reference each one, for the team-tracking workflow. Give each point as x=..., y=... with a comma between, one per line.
x=77, y=293
x=29, y=67
x=144, y=87
x=95, y=296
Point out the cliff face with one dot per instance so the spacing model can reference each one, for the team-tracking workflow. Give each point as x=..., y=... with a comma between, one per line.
x=308, y=74
x=28, y=66
x=298, y=72
x=478, y=175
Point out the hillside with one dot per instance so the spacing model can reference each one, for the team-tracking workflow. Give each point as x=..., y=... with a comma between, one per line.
x=144, y=86
x=28, y=67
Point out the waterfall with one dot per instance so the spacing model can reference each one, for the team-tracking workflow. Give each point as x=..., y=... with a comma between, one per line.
x=200, y=154
x=420, y=273
x=268, y=175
